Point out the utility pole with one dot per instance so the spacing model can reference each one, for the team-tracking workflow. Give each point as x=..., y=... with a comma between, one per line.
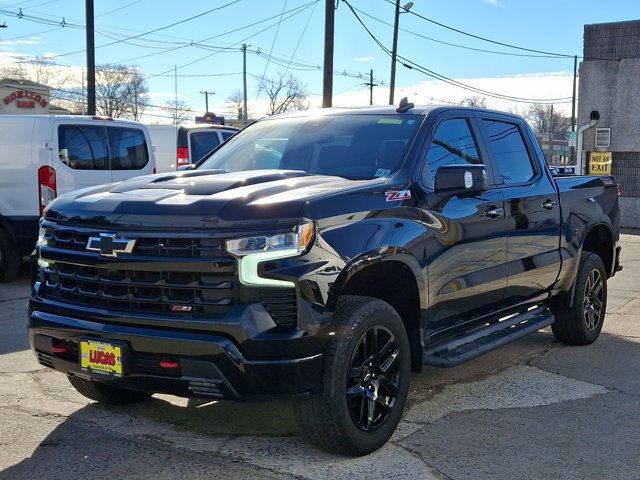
x=394, y=53
x=175, y=94
x=394, y=50
x=370, y=84
x=244, y=83
x=206, y=99
x=4, y=25
x=573, y=106
x=327, y=83
x=91, y=59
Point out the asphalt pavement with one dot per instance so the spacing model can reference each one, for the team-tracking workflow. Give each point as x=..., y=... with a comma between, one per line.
x=534, y=409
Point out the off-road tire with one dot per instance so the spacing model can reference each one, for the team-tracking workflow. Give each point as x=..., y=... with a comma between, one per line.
x=9, y=259
x=105, y=393
x=572, y=325
x=326, y=416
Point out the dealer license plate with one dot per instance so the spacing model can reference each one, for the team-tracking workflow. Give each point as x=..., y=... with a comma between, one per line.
x=102, y=359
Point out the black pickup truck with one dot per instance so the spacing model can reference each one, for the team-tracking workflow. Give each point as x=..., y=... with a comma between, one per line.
x=323, y=256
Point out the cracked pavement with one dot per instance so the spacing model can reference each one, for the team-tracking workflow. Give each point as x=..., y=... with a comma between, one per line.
x=534, y=409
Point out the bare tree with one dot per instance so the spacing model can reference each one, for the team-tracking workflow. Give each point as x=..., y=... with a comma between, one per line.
x=545, y=119
x=475, y=101
x=236, y=103
x=178, y=110
x=285, y=93
x=121, y=91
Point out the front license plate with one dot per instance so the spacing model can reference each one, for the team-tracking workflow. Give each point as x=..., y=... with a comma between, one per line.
x=102, y=359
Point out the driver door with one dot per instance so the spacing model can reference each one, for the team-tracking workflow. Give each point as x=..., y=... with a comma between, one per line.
x=466, y=243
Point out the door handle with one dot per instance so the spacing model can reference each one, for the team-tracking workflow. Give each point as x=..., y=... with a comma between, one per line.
x=549, y=204
x=495, y=212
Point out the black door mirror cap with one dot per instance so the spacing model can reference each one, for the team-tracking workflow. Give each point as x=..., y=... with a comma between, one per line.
x=461, y=180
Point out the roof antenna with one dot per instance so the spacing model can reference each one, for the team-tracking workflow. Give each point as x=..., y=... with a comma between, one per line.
x=404, y=106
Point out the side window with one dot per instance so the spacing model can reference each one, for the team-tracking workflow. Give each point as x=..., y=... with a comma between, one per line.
x=509, y=151
x=128, y=148
x=227, y=135
x=202, y=143
x=83, y=147
x=452, y=144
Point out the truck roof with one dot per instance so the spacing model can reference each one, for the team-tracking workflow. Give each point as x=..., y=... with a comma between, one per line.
x=76, y=118
x=386, y=110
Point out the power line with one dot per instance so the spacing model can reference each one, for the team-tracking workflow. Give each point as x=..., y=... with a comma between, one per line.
x=466, y=47
x=133, y=37
x=275, y=36
x=485, y=39
x=119, y=8
x=412, y=65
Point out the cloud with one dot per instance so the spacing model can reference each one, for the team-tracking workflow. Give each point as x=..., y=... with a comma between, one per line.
x=495, y=3
x=367, y=58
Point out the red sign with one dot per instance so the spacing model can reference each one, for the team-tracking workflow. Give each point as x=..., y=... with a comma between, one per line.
x=25, y=99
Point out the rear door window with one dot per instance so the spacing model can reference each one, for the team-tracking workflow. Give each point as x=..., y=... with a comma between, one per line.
x=128, y=148
x=452, y=144
x=227, y=135
x=83, y=147
x=509, y=150
x=203, y=142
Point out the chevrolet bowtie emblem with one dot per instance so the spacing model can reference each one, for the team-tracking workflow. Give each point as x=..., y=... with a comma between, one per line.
x=110, y=245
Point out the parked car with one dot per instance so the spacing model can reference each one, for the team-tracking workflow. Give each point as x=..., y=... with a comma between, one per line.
x=45, y=156
x=181, y=145
x=385, y=239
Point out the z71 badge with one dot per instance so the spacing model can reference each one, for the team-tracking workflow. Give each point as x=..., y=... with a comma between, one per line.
x=397, y=195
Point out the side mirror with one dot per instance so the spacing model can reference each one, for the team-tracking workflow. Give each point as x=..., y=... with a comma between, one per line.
x=461, y=180
x=186, y=167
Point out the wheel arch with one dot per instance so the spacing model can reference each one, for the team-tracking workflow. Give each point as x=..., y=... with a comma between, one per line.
x=395, y=278
x=598, y=239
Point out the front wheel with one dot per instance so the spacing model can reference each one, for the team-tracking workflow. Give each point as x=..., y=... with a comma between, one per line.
x=365, y=381
x=581, y=323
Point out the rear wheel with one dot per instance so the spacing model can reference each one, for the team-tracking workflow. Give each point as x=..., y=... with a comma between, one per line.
x=581, y=323
x=365, y=381
x=9, y=259
x=103, y=393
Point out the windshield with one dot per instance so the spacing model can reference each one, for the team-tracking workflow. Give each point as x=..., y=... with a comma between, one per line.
x=360, y=146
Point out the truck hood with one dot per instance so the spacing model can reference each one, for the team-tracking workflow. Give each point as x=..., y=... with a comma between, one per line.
x=202, y=199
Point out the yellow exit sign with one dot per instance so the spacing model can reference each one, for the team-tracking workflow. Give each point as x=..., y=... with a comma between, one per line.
x=600, y=163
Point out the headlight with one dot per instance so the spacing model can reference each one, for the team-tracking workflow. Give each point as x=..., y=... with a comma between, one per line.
x=251, y=251
x=297, y=240
x=42, y=236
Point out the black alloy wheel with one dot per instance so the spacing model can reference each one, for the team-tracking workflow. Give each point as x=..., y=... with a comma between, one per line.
x=580, y=314
x=593, y=299
x=373, y=379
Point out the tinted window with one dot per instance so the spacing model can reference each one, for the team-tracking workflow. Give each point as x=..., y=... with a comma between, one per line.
x=202, y=143
x=128, y=148
x=356, y=146
x=509, y=151
x=452, y=144
x=227, y=135
x=83, y=147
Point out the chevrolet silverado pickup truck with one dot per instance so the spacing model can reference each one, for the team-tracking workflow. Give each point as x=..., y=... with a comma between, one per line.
x=322, y=256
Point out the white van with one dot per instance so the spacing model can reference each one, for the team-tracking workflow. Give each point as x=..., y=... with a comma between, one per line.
x=44, y=156
x=180, y=145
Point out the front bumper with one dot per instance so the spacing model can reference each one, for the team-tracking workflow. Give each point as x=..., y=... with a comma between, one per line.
x=210, y=365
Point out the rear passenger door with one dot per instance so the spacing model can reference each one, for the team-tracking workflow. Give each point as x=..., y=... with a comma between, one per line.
x=129, y=152
x=532, y=208
x=81, y=155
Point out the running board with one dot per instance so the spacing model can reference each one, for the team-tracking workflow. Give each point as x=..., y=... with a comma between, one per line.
x=477, y=342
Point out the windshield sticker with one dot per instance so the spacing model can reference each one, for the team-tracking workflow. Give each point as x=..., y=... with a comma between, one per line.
x=390, y=121
x=397, y=195
x=382, y=172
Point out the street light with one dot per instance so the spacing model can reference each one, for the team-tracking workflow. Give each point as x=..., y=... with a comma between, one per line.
x=394, y=51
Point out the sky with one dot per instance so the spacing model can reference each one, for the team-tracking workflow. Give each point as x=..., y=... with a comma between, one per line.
x=289, y=38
